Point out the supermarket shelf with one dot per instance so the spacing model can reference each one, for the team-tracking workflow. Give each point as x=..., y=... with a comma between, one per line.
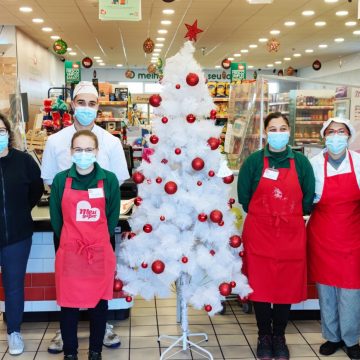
x=100, y=120
x=113, y=103
x=220, y=99
x=308, y=122
x=314, y=107
x=307, y=140
x=278, y=103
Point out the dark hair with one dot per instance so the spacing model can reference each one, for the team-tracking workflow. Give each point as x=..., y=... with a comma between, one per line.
x=7, y=124
x=275, y=115
x=85, y=133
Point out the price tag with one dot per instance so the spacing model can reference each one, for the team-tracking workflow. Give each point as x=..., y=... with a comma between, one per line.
x=96, y=193
x=271, y=174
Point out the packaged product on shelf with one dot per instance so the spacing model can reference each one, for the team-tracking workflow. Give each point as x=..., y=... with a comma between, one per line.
x=212, y=88
x=104, y=90
x=121, y=94
x=220, y=89
x=227, y=89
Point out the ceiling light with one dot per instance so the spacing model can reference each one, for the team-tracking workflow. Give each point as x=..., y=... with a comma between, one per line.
x=102, y=64
x=275, y=32
x=263, y=40
x=253, y=46
x=168, y=11
x=231, y=58
x=165, y=22
x=162, y=31
x=309, y=51
x=356, y=32
x=55, y=37
x=237, y=55
x=99, y=60
x=72, y=53
x=217, y=66
x=278, y=62
x=323, y=46
x=119, y=65
x=25, y=9
x=153, y=61
x=339, y=40
x=342, y=13
x=160, y=39
x=270, y=65
x=157, y=50
x=320, y=23
x=69, y=49
x=244, y=51
x=257, y=2
x=289, y=23
x=97, y=57
x=250, y=67
x=159, y=45
x=47, y=29
x=296, y=55
x=331, y=1
x=287, y=58
x=308, y=13
x=38, y=21
x=351, y=23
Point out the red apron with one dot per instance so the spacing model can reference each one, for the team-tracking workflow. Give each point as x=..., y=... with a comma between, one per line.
x=275, y=239
x=85, y=261
x=334, y=232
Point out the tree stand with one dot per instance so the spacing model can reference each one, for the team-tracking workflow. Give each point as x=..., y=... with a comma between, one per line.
x=184, y=340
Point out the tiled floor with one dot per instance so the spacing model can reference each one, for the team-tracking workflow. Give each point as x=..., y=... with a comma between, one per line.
x=231, y=336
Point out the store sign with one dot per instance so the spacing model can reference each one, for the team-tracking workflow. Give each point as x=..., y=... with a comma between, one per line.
x=123, y=10
x=238, y=71
x=72, y=72
x=140, y=98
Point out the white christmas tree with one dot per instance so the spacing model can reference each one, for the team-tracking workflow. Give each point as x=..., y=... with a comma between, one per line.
x=183, y=227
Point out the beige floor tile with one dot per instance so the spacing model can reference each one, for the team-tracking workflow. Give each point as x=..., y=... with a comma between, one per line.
x=237, y=352
x=142, y=354
x=119, y=323
x=313, y=338
x=166, y=311
x=143, y=320
x=228, y=329
x=32, y=334
x=29, y=355
x=295, y=339
x=54, y=325
x=192, y=311
x=166, y=302
x=149, y=330
x=225, y=340
x=249, y=329
x=143, y=304
x=214, y=351
x=252, y=339
x=199, y=319
x=111, y=354
x=224, y=319
x=308, y=326
x=301, y=350
x=167, y=320
x=44, y=355
x=200, y=340
x=143, y=312
x=202, y=328
x=246, y=319
x=31, y=345
x=291, y=329
x=34, y=325
x=3, y=346
x=139, y=342
x=169, y=330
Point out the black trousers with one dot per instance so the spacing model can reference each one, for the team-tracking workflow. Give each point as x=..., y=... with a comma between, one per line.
x=69, y=318
x=271, y=321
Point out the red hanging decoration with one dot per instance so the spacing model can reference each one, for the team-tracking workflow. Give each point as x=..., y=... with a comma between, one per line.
x=158, y=267
x=148, y=46
x=118, y=285
x=170, y=187
x=192, y=79
x=273, y=45
x=155, y=100
x=225, y=289
x=192, y=31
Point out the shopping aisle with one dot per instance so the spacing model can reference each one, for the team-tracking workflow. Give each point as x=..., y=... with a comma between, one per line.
x=231, y=336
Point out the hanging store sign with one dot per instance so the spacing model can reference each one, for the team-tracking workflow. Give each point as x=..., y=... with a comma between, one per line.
x=123, y=10
x=72, y=72
x=237, y=71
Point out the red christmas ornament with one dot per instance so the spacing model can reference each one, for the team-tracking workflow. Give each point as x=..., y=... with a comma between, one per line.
x=235, y=241
x=212, y=252
x=213, y=114
x=199, y=183
x=155, y=100
x=198, y=164
x=138, y=177
x=225, y=289
x=147, y=228
x=162, y=218
x=202, y=217
x=178, y=86
x=213, y=143
x=148, y=46
x=228, y=179
x=154, y=139
x=158, y=180
x=192, y=31
x=233, y=284
x=232, y=201
x=216, y=216
x=241, y=253
x=192, y=79
x=211, y=173
x=138, y=201
x=221, y=223
x=131, y=235
x=184, y=259
x=208, y=308
x=158, y=267
x=118, y=285
x=128, y=299
x=190, y=118
x=177, y=151
x=164, y=120
x=144, y=265
x=170, y=187
x=164, y=161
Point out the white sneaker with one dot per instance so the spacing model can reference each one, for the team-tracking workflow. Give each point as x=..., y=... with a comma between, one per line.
x=56, y=344
x=16, y=343
x=111, y=340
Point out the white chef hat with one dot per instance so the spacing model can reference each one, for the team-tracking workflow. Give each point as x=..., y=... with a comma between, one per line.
x=339, y=120
x=85, y=87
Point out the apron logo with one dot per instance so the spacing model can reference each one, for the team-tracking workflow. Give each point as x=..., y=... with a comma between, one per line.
x=84, y=212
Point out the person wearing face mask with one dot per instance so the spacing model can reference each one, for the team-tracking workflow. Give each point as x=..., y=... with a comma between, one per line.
x=21, y=188
x=57, y=157
x=334, y=239
x=275, y=188
x=84, y=211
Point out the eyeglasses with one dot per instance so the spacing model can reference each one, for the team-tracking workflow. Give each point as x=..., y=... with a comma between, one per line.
x=3, y=131
x=343, y=132
x=79, y=150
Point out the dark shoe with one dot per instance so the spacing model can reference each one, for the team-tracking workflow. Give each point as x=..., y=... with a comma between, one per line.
x=264, y=350
x=281, y=351
x=329, y=347
x=353, y=352
x=70, y=357
x=94, y=355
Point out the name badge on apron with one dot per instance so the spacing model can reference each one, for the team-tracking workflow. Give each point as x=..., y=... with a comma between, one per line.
x=271, y=174
x=96, y=193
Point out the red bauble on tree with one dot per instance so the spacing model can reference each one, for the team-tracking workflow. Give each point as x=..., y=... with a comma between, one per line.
x=118, y=285
x=225, y=289
x=235, y=241
x=144, y=265
x=231, y=201
x=162, y=218
x=233, y=284
x=131, y=235
x=228, y=179
x=216, y=216
x=138, y=201
x=192, y=79
x=177, y=151
x=199, y=183
x=208, y=308
x=213, y=143
x=154, y=139
x=138, y=177
x=158, y=180
x=147, y=228
x=170, y=187
x=184, y=259
x=221, y=223
x=212, y=252
x=128, y=299
x=241, y=253
x=202, y=217
x=164, y=119
x=213, y=114
x=155, y=100
x=158, y=267
x=211, y=173
x=190, y=118
x=198, y=164
x=178, y=86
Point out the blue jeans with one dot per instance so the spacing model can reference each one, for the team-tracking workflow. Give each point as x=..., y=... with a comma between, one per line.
x=340, y=314
x=13, y=261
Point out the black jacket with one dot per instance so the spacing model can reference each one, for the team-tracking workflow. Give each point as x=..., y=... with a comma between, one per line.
x=20, y=189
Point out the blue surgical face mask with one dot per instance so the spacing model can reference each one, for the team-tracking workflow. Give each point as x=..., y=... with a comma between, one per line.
x=336, y=144
x=85, y=115
x=83, y=160
x=278, y=140
x=4, y=142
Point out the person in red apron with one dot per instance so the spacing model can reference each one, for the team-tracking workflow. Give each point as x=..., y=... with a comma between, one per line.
x=334, y=239
x=275, y=187
x=84, y=210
